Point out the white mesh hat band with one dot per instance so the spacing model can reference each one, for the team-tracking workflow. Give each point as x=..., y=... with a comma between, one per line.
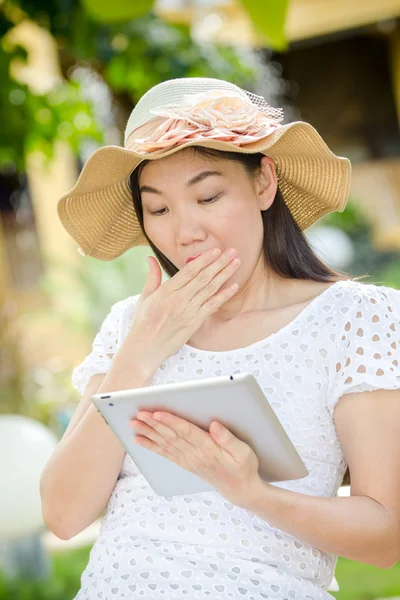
x=170, y=93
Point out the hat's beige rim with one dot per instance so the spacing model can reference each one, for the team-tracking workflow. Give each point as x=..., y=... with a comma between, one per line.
x=98, y=210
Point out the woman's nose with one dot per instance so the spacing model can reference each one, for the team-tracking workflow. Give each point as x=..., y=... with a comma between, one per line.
x=188, y=229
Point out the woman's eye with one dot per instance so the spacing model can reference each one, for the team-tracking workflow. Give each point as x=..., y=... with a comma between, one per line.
x=205, y=201
x=209, y=200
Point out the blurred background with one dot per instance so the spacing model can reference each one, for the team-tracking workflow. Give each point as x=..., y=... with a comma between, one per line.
x=71, y=72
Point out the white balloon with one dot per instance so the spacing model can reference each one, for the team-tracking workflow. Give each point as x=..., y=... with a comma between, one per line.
x=25, y=447
x=332, y=245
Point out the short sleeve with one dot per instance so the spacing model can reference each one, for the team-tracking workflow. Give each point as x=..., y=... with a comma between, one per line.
x=105, y=344
x=367, y=354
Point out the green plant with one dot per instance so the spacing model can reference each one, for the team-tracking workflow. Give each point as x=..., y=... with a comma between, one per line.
x=359, y=581
x=34, y=121
x=63, y=584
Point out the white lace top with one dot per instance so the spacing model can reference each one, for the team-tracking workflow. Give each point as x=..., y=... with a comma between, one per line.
x=201, y=546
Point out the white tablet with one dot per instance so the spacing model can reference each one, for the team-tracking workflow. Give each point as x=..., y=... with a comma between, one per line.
x=237, y=401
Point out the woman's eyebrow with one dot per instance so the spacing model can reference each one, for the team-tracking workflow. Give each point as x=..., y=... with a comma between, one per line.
x=196, y=179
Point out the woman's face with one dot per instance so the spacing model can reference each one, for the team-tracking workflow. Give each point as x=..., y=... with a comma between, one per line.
x=192, y=204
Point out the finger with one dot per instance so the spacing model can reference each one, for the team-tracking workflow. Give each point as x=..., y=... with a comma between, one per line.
x=225, y=438
x=209, y=279
x=166, y=442
x=160, y=430
x=238, y=449
x=215, y=285
x=188, y=455
x=217, y=300
x=190, y=271
x=150, y=445
x=154, y=277
x=198, y=441
x=200, y=271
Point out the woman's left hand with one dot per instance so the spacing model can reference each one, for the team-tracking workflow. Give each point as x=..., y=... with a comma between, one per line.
x=218, y=457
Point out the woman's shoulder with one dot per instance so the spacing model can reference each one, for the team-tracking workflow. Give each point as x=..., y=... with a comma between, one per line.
x=118, y=311
x=124, y=305
x=365, y=347
x=130, y=301
x=366, y=309
x=355, y=305
x=126, y=310
x=357, y=292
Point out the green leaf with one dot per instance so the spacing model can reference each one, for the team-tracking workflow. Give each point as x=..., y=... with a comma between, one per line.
x=269, y=20
x=117, y=10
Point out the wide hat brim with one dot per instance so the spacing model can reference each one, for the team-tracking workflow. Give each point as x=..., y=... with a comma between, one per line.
x=98, y=211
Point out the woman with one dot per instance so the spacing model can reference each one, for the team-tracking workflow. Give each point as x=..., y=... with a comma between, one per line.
x=214, y=170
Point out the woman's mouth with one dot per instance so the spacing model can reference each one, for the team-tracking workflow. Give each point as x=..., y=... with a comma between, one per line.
x=191, y=258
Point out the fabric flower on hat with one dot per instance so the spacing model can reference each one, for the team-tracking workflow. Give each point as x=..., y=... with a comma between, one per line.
x=214, y=114
x=213, y=109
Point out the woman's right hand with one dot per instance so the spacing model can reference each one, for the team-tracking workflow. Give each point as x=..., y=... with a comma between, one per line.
x=168, y=314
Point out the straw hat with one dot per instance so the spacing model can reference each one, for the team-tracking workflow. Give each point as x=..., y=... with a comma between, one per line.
x=98, y=211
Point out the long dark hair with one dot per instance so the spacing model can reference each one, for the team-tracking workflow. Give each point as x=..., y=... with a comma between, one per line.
x=286, y=249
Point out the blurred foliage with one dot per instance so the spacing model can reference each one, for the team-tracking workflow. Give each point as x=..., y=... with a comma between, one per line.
x=11, y=367
x=357, y=581
x=100, y=285
x=44, y=393
x=381, y=267
x=151, y=51
x=63, y=585
x=118, y=10
x=268, y=16
x=32, y=122
x=269, y=22
x=130, y=57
